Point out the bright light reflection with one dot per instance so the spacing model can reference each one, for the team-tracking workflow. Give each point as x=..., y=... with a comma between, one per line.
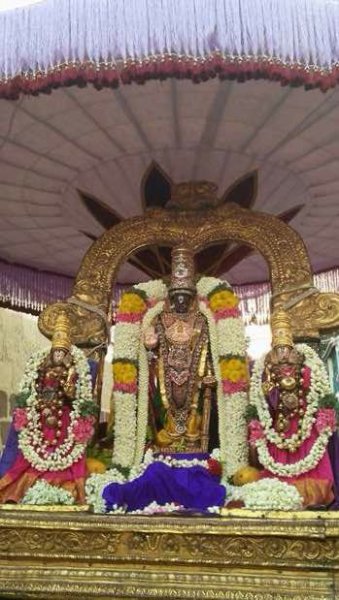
x=259, y=340
x=8, y=4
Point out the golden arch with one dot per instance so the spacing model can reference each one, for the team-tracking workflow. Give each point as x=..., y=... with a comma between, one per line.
x=281, y=246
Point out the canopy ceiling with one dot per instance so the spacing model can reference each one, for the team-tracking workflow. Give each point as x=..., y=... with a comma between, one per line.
x=102, y=142
x=72, y=162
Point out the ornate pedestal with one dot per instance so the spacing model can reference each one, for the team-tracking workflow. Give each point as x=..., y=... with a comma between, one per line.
x=239, y=556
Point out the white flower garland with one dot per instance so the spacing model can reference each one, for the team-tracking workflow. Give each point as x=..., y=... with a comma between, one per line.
x=44, y=493
x=129, y=433
x=143, y=383
x=131, y=412
x=156, y=289
x=30, y=439
x=227, y=336
x=267, y=494
x=319, y=387
x=95, y=485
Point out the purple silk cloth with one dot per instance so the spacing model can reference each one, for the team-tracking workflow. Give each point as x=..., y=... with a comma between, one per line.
x=10, y=451
x=192, y=487
x=333, y=451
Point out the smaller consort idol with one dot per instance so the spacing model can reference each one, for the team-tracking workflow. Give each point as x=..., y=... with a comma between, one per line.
x=292, y=416
x=53, y=421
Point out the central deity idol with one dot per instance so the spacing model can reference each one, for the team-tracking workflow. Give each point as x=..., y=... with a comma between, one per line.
x=181, y=376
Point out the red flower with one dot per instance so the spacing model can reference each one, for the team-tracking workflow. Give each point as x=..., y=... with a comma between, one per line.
x=214, y=467
x=306, y=376
x=83, y=429
x=256, y=431
x=19, y=419
x=326, y=417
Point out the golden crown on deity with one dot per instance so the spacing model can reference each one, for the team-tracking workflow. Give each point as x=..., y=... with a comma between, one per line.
x=281, y=327
x=183, y=269
x=192, y=195
x=62, y=333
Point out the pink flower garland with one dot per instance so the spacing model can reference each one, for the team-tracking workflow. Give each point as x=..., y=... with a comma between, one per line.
x=20, y=418
x=129, y=317
x=326, y=417
x=226, y=313
x=256, y=432
x=232, y=387
x=83, y=429
x=127, y=388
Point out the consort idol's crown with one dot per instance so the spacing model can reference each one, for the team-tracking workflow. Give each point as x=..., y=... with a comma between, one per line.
x=62, y=333
x=281, y=328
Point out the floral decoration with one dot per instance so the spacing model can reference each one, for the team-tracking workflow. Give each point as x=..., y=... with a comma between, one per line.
x=94, y=487
x=317, y=414
x=228, y=350
x=20, y=419
x=131, y=398
x=132, y=305
x=43, y=493
x=223, y=302
x=31, y=442
x=267, y=494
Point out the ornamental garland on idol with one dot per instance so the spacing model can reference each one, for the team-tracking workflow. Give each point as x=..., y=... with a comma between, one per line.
x=137, y=309
x=290, y=405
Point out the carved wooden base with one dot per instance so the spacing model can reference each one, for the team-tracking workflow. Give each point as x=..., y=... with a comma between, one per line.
x=240, y=556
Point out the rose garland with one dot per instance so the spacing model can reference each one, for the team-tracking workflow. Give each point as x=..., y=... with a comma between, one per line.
x=26, y=418
x=137, y=309
x=317, y=414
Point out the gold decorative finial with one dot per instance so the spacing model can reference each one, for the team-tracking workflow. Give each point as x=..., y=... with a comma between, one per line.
x=193, y=195
x=62, y=332
x=182, y=274
x=281, y=327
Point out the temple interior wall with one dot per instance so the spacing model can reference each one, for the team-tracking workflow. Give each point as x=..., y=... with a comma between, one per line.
x=19, y=338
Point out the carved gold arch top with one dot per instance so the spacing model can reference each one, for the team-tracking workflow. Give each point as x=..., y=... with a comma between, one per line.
x=279, y=244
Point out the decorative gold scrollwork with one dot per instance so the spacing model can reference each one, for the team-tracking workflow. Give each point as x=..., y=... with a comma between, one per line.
x=281, y=246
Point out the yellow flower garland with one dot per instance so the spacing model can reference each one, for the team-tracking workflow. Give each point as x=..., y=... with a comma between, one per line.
x=131, y=303
x=223, y=299
x=124, y=372
x=234, y=369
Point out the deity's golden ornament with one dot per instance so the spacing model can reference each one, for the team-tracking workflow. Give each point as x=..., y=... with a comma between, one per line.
x=288, y=383
x=290, y=401
x=61, y=339
x=183, y=269
x=281, y=329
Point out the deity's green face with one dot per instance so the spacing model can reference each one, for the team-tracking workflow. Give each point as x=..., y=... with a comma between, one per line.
x=181, y=300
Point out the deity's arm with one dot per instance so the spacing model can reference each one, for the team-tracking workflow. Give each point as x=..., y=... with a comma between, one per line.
x=151, y=336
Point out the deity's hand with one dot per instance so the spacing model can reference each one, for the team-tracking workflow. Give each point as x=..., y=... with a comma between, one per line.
x=68, y=383
x=209, y=381
x=151, y=338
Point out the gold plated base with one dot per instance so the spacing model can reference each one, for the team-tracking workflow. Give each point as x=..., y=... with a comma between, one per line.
x=242, y=555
